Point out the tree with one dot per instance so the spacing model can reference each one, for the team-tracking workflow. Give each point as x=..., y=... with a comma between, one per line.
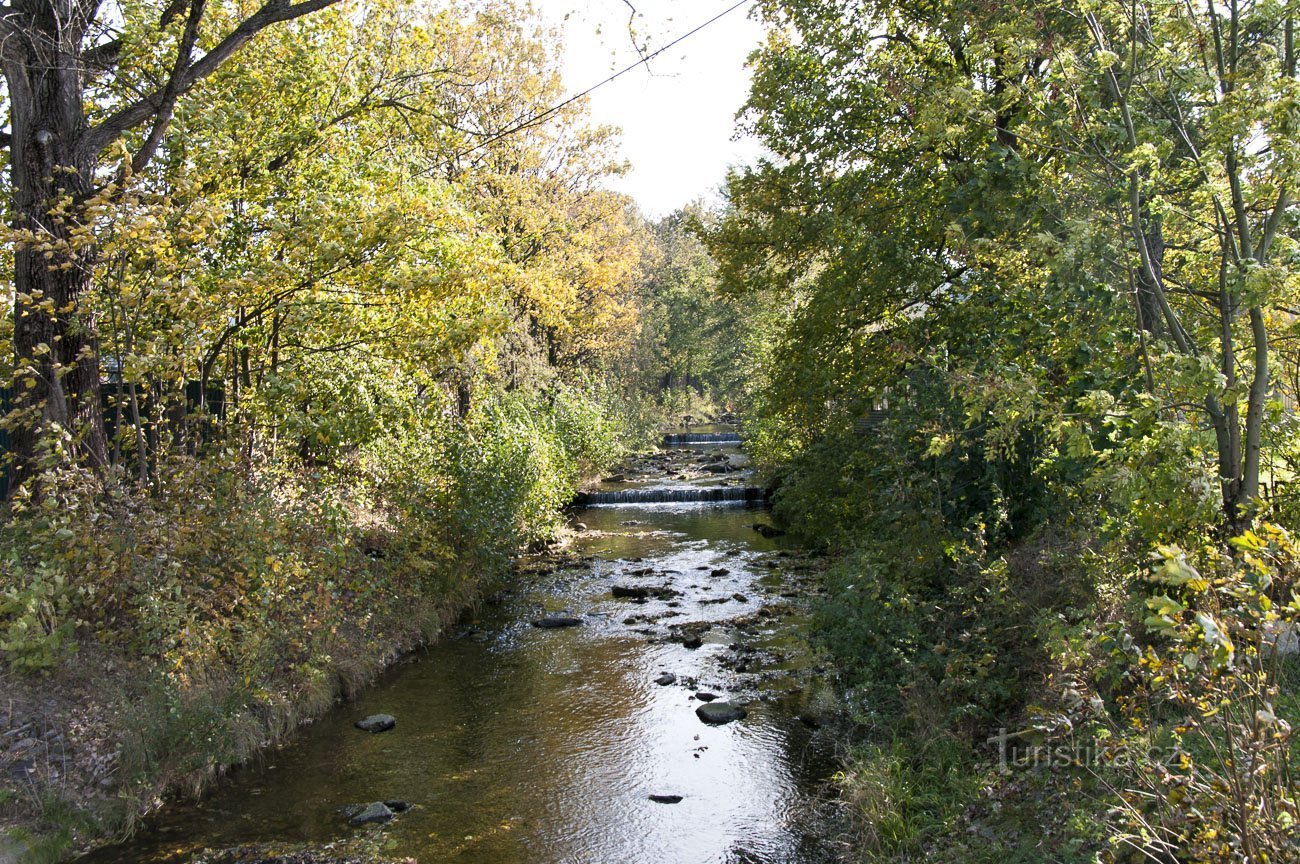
x=1053, y=162
x=700, y=334
x=56, y=56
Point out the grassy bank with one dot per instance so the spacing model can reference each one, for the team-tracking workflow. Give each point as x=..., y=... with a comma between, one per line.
x=152, y=639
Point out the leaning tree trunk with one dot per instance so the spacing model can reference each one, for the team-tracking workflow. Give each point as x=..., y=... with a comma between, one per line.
x=56, y=350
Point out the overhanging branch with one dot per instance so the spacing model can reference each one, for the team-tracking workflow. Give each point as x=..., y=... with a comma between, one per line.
x=190, y=73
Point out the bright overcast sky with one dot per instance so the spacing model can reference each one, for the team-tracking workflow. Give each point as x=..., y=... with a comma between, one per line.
x=678, y=116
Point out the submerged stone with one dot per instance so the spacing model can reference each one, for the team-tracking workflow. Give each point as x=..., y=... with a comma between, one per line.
x=557, y=621
x=372, y=814
x=666, y=799
x=665, y=679
x=376, y=723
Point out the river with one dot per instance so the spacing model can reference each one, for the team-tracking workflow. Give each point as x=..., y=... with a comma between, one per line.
x=516, y=743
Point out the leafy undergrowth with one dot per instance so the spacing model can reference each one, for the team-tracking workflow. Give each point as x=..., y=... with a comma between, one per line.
x=1163, y=733
x=152, y=639
x=937, y=800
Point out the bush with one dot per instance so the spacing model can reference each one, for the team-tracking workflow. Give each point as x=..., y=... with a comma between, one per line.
x=1186, y=705
x=36, y=610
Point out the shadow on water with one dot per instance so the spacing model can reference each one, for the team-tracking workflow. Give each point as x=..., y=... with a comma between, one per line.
x=518, y=744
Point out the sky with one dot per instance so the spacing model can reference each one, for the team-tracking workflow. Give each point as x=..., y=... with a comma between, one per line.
x=677, y=116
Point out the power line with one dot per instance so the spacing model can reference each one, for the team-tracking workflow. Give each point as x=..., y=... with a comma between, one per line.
x=538, y=118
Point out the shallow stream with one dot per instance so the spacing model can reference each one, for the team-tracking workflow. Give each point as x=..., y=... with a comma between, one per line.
x=516, y=743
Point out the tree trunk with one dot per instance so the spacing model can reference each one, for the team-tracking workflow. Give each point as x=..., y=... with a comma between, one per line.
x=464, y=398
x=1151, y=319
x=56, y=347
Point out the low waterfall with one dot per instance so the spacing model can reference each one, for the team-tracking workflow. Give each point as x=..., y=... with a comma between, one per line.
x=676, y=440
x=678, y=494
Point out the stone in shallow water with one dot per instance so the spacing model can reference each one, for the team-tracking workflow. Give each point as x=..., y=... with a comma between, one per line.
x=718, y=713
x=721, y=571
x=557, y=621
x=372, y=814
x=665, y=679
x=376, y=723
x=630, y=592
x=666, y=799
x=706, y=696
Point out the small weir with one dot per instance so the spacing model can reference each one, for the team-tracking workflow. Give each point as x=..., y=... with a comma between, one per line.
x=724, y=439
x=674, y=495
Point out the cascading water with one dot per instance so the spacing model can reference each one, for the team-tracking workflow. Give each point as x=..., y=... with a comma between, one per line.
x=674, y=495
x=725, y=439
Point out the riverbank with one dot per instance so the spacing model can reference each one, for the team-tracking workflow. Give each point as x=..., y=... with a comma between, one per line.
x=1049, y=690
x=99, y=743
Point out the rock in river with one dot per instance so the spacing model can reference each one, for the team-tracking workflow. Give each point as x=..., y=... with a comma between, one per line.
x=718, y=713
x=665, y=679
x=371, y=814
x=666, y=799
x=556, y=621
x=376, y=723
x=705, y=696
x=630, y=592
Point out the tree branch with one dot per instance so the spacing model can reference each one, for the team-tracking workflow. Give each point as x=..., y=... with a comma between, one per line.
x=106, y=54
x=171, y=92
x=151, y=105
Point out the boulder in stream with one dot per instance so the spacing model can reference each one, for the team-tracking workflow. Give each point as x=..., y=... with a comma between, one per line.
x=666, y=799
x=376, y=723
x=719, y=713
x=630, y=592
x=665, y=679
x=374, y=813
x=554, y=622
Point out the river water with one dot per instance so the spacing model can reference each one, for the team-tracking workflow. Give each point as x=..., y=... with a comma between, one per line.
x=521, y=744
